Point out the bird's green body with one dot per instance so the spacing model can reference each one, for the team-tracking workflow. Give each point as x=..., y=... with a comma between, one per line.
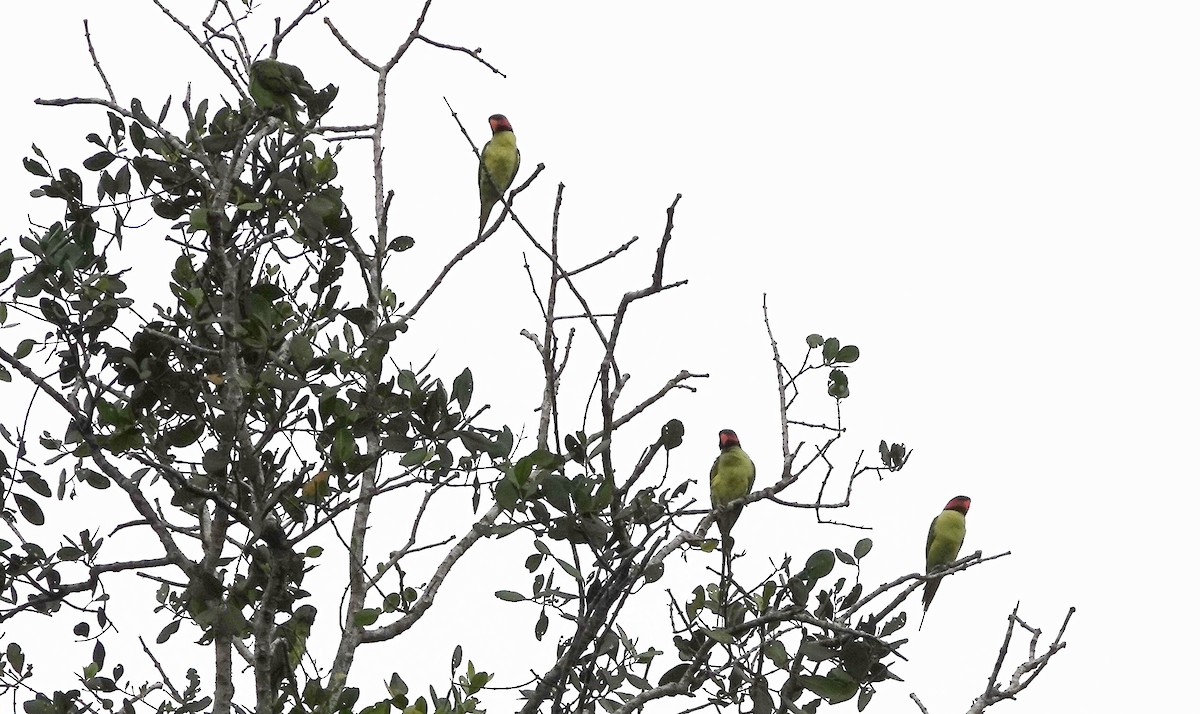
x=731, y=477
x=946, y=535
x=274, y=85
x=498, y=164
x=289, y=646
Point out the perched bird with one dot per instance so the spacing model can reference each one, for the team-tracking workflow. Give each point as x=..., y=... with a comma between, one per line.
x=274, y=84
x=946, y=535
x=498, y=164
x=289, y=645
x=316, y=489
x=731, y=477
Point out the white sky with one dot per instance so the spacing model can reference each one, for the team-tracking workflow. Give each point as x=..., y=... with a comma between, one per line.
x=995, y=201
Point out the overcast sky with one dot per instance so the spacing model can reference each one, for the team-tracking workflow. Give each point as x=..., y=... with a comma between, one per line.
x=997, y=202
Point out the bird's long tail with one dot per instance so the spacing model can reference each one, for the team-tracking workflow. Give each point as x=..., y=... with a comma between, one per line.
x=726, y=573
x=930, y=590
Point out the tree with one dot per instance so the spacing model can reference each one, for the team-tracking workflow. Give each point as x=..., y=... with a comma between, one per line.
x=260, y=418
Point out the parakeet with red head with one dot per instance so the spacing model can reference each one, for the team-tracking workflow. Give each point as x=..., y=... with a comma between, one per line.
x=946, y=535
x=498, y=164
x=731, y=477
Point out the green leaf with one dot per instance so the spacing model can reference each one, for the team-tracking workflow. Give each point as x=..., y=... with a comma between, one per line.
x=360, y=316
x=30, y=510
x=301, y=351
x=814, y=341
x=464, y=385
x=343, y=445
x=568, y=568
x=69, y=553
x=819, y=565
x=719, y=635
x=777, y=653
x=760, y=695
x=401, y=244
x=171, y=628
x=35, y=168
x=543, y=623
x=366, y=616
x=16, y=657
x=852, y=597
x=24, y=349
x=847, y=354
x=862, y=547
x=830, y=350
x=186, y=433
x=98, y=161
x=838, y=387
x=815, y=652
x=864, y=697
x=510, y=596
x=843, y=556
x=40, y=705
x=672, y=434
x=893, y=624
x=534, y=561
x=836, y=687
x=36, y=483
x=674, y=674
x=414, y=457
x=507, y=494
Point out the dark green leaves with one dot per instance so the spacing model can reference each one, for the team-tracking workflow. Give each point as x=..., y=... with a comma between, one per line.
x=98, y=161
x=835, y=687
x=672, y=434
x=819, y=565
x=30, y=510
x=464, y=386
x=892, y=455
x=166, y=632
x=838, y=386
x=16, y=658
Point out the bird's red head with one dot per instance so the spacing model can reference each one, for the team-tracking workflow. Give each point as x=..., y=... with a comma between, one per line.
x=499, y=123
x=959, y=503
x=729, y=438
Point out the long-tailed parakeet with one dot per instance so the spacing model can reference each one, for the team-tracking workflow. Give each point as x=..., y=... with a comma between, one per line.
x=290, y=643
x=731, y=477
x=498, y=164
x=274, y=85
x=946, y=535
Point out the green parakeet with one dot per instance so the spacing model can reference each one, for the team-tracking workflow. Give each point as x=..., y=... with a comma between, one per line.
x=731, y=477
x=274, y=85
x=946, y=535
x=291, y=640
x=498, y=164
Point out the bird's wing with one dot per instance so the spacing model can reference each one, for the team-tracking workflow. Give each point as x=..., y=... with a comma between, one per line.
x=483, y=176
x=929, y=541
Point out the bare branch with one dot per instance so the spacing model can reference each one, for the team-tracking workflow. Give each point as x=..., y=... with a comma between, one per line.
x=87, y=33
x=472, y=53
x=1024, y=674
